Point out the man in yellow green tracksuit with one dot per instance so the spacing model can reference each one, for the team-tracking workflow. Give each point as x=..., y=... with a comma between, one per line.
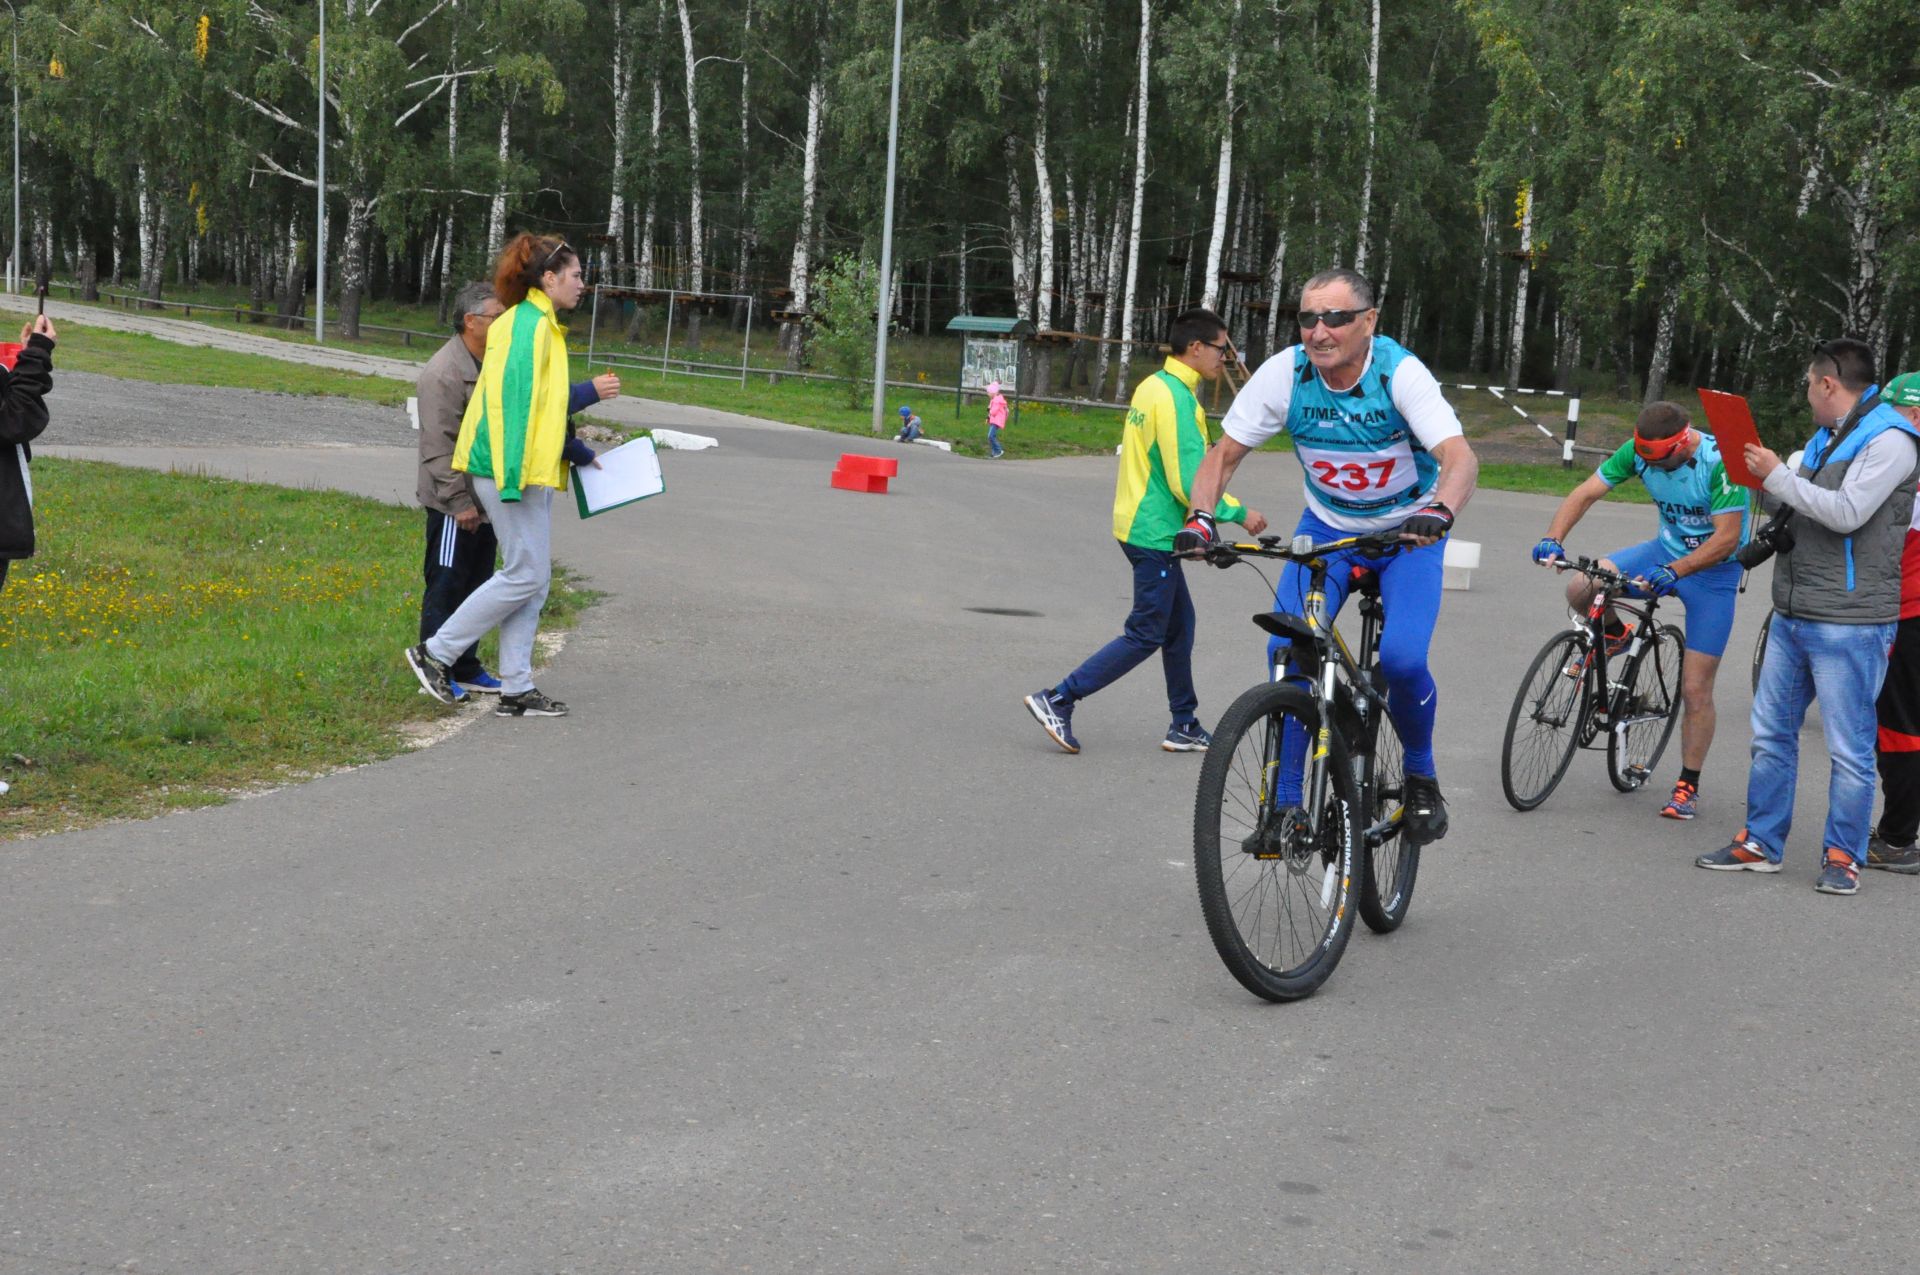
x=1164, y=438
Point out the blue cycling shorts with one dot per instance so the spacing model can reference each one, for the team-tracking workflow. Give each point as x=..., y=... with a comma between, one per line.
x=1708, y=595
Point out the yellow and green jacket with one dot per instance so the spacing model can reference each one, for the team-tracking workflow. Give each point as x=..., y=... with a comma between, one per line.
x=1160, y=448
x=516, y=422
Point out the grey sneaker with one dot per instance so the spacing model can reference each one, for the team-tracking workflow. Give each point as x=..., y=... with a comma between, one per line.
x=434, y=677
x=1839, y=876
x=1902, y=859
x=529, y=704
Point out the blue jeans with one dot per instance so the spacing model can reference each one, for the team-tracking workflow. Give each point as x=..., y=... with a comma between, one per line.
x=1161, y=620
x=1844, y=665
x=993, y=441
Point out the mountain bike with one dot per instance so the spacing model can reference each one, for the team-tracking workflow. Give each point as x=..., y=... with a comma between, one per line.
x=1297, y=823
x=1575, y=691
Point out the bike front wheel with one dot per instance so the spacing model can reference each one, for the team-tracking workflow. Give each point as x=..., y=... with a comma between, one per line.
x=1543, y=727
x=1639, y=731
x=1276, y=880
x=1392, y=861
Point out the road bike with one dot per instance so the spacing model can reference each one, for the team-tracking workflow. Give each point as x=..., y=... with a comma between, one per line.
x=1297, y=823
x=1576, y=691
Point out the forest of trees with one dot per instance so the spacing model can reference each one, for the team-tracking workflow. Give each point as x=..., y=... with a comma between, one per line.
x=1691, y=189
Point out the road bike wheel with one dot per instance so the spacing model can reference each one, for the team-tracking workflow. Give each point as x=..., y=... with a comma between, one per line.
x=1276, y=887
x=1392, y=861
x=1543, y=727
x=1760, y=649
x=1639, y=734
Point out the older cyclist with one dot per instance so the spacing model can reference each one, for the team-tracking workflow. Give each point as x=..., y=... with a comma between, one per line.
x=1382, y=451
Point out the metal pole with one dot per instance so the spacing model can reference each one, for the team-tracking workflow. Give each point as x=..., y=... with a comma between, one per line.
x=746, y=345
x=668, y=347
x=13, y=267
x=886, y=232
x=320, y=195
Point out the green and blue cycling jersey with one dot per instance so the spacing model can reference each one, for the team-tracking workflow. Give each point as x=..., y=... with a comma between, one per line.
x=1688, y=497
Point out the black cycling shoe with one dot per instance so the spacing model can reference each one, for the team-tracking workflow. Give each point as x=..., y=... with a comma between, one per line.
x=1424, y=816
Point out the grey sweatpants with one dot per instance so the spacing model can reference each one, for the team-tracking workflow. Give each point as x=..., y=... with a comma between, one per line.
x=512, y=599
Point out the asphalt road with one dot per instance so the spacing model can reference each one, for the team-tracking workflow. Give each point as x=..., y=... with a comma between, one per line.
x=799, y=948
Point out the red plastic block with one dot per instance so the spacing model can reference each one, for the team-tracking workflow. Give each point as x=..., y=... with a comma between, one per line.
x=881, y=466
x=875, y=484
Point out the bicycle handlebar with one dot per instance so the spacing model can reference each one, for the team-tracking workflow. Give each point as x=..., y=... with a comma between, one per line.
x=1298, y=549
x=1592, y=567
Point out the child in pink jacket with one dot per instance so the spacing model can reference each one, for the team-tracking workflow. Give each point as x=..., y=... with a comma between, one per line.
x=996, y=420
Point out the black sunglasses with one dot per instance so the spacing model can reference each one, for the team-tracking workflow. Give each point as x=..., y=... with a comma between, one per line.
x=1226, y=343
x=1332, y=318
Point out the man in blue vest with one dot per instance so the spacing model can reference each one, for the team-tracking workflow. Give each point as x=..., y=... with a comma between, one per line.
x=1703, y=519
x=1382, y=451
x=1836, y=605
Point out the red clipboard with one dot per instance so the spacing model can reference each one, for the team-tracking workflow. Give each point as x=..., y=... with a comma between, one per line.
x=1731, y=422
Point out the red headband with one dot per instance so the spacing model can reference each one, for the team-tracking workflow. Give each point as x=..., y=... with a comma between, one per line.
x=1658, y=449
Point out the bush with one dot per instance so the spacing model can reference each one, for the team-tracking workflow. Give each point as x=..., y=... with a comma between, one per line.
x=840, y=329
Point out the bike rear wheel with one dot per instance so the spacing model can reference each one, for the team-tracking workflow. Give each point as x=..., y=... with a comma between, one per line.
x=1391, y=860
x=1276, y=883
x=1543, y=727
x=1638, y=735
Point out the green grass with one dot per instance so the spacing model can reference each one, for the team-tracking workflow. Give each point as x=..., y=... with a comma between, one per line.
x=180, y=638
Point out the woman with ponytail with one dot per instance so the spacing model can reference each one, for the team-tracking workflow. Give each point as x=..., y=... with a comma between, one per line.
x=516, y=441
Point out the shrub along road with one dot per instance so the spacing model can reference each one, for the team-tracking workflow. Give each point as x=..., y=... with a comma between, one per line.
x=798, y=948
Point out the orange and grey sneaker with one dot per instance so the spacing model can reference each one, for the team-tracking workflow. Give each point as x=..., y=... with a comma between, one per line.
x=1742, y=854
x=1681, y=804
x=1841, y=875
x=1617, y=642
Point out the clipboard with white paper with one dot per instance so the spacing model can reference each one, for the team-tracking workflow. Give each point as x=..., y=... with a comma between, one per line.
x=627, y=473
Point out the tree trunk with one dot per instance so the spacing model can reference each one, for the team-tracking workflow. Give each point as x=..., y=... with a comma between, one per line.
x=1139, y=202
x=353, y=264
x=1517, y=349
x=1366, y=174
x=1110, y=308
x=961, y=299
x=696, y=215
x=1223, y=172
x=793, y=334
x=1017, y=232
x=645, y=271
x=1276, y=275
x=744, y=217
x=1662, y=347
x=153, y=237
x=622, y=106
x=293, y=276
x=1478, y=346
x=497, y=213
x=87, y=268
x=1043, y=209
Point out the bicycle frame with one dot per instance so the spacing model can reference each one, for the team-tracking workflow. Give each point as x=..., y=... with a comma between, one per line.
x=1605, y=690
x=1335, y=666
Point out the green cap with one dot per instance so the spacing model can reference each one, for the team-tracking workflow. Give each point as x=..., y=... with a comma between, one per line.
x=1903, y=390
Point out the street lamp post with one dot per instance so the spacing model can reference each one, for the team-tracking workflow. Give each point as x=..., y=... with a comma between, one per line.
x=886, y=231
x=13, y=262
x=320, y=184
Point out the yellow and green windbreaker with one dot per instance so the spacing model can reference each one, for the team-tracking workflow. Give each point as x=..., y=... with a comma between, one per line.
x=1160, y=448
x=516, y=421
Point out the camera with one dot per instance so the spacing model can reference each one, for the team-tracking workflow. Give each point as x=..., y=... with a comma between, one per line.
x=1775, y=537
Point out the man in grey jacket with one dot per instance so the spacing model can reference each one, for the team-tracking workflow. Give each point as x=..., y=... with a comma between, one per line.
x=460, y=545
x=1836, y=603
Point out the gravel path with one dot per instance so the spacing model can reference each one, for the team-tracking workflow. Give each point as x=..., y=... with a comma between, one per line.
x=90, y=410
